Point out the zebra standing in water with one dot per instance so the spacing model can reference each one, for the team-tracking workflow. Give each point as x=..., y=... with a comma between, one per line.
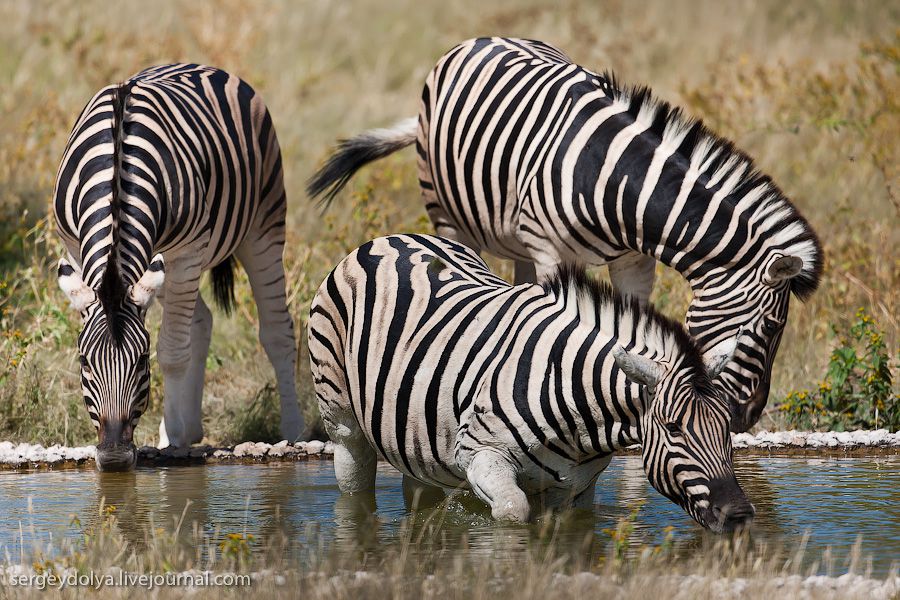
x=172, y=173
x=525, y=154
x=421, y=356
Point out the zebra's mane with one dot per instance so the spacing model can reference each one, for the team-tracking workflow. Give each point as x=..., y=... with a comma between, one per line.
x=723, y=162
x=598, y=300
x=111, y=292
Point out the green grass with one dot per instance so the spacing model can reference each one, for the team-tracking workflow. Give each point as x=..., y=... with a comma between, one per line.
x=811, y=91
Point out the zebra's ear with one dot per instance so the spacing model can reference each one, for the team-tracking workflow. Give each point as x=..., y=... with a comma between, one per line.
x=144, y=291
x=638, y=368
x=73, y=286
x=720, y=355
x=784, y=267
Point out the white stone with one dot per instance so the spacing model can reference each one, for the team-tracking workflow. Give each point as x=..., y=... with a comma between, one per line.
x=315, y=447
x=242, y=449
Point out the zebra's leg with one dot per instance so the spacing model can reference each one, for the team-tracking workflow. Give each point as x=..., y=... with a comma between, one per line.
x=261, y=258
x=181, y=406
x=585, y=498
x=633, y=275
x=201, y=334
x=493, y=479
x=354, y=457
x=418, y=495
x=525, y=272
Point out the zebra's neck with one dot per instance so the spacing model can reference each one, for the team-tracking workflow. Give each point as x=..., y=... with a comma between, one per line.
x=605, y=407
x=669, y=188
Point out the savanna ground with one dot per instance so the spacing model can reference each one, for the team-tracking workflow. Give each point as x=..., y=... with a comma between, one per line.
x=810, y=90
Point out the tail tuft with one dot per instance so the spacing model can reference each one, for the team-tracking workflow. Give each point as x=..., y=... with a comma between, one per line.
x=352, y=154
x=223, y=284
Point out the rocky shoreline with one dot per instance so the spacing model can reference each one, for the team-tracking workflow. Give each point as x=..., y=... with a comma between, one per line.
x=24, y=456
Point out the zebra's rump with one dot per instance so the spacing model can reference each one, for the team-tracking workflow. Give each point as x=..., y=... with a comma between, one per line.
x=493, y=111
x=419, y=316
x=194, y=161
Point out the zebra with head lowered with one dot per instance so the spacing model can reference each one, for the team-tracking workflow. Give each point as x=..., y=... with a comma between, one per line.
x=423, y=357
x=525, y=154
x=172, y=173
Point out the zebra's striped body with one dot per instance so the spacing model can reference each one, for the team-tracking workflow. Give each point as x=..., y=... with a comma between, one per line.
x=525, y=154
x=422, y=356
x=180, y=162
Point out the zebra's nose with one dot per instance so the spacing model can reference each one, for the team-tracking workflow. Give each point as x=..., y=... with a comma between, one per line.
x=116, y=451
x=735, y=516
x=117, y=458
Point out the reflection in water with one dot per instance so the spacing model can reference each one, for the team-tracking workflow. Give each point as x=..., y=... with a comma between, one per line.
x=299, y=504
x=355, y=523
x=753, y=476
x=169, y=498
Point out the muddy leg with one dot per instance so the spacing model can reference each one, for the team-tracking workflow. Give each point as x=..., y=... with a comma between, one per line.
x=493, y=479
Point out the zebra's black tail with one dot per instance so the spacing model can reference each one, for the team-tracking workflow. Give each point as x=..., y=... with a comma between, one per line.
x=223, y=284
x=352, y=154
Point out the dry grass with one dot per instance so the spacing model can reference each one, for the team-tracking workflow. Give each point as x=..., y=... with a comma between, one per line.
x=809, y=90
x=418, y=563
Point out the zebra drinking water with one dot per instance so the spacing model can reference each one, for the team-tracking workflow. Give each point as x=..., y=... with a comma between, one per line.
x=525, y=154
x=421, y=356
x=172, y=173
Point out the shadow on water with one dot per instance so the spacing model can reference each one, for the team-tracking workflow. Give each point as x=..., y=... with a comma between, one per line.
x=299, y=506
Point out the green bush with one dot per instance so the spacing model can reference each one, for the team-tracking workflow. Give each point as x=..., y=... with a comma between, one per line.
x=857, y=390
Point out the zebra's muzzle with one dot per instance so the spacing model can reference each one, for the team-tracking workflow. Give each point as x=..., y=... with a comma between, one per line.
x=122, y=458
x=731, y=517
x=116, y=451
x=729, y=509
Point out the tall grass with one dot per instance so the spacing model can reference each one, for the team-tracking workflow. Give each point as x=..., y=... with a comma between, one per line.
x=810, y=90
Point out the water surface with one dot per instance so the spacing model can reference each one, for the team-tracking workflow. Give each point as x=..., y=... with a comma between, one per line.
x=834, y=500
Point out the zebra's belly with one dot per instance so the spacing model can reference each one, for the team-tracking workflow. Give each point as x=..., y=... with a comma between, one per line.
x=431, y=464
x=415, y=432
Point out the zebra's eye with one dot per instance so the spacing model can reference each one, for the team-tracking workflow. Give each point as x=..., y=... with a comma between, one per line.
x=770, y=326
x=85, y=367
x=674, y=429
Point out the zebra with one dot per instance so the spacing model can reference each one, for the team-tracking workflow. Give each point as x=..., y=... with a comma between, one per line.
x=534, y=158
x=423, y=357
x=172, y=173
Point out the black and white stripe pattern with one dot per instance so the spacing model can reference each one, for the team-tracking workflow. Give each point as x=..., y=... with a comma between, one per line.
x=174, y=172
x=525, y=154
x=421, y=356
